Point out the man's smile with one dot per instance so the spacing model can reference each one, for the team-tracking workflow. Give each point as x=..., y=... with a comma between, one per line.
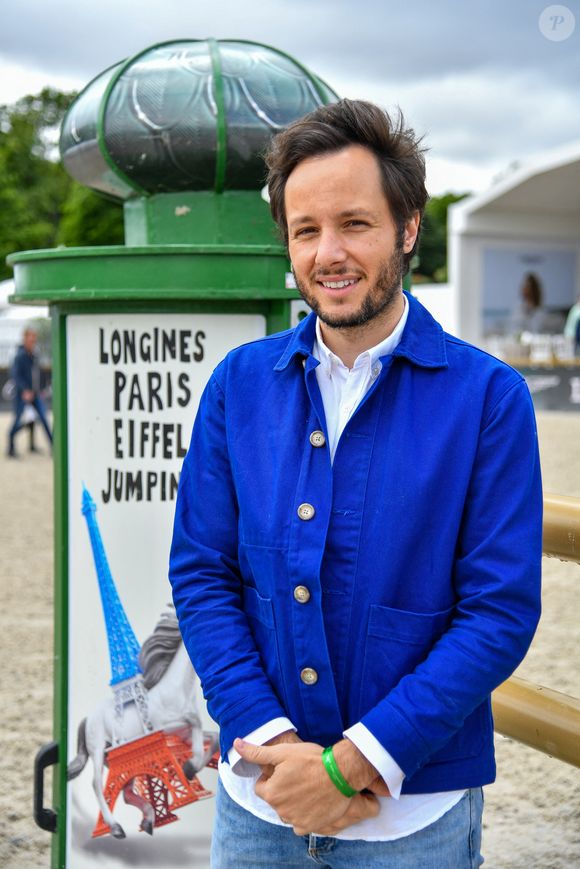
x=339, y=285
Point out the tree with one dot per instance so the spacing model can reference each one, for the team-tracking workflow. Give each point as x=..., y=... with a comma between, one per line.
x=32, y=185
x=40, y=205
x=89, y=219
x=433, y=246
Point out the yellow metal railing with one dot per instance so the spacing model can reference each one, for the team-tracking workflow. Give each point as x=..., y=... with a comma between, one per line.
x=540, y=717
x=562, y=527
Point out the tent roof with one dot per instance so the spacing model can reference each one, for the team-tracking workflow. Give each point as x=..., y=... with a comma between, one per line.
x=550, y=184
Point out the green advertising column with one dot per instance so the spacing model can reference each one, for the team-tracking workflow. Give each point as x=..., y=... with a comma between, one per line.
x=176, y=133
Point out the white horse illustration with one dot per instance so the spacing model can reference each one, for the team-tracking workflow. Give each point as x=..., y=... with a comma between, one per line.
x=173, y=702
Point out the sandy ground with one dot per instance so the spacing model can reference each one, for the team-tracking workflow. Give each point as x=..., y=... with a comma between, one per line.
x=533, y=811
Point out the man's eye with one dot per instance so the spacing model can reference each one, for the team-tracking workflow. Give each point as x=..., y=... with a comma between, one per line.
x=305, y=230
x=357, y=223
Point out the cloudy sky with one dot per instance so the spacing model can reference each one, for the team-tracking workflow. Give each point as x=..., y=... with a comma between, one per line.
x=489, y=83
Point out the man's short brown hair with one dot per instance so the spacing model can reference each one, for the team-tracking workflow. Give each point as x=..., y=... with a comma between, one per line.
x=353, y=122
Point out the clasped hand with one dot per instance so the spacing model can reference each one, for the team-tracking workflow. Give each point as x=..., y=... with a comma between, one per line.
x=295, y=783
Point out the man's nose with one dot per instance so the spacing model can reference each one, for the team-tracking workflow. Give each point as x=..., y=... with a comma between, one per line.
x=330, y=249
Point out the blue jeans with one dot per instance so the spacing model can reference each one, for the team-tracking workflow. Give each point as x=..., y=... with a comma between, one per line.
x=19, y=405
x=242, y=841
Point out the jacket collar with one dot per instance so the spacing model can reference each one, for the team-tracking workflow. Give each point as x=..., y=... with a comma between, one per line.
x=301, y=342
x=422, y=342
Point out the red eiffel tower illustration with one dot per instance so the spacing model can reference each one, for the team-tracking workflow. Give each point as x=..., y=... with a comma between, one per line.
x=154, y=764
x=151, y=764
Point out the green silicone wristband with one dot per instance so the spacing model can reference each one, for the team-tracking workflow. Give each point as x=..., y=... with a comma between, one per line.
x=335, y=774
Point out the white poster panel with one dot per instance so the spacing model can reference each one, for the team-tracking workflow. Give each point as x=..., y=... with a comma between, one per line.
x=134, y=384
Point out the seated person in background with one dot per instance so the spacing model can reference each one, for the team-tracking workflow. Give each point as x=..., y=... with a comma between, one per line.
x=530, y=316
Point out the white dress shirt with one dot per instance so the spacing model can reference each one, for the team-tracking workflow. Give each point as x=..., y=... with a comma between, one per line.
x=342, y=390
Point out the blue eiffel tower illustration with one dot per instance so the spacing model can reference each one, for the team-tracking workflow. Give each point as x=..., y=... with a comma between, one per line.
x=124, y=648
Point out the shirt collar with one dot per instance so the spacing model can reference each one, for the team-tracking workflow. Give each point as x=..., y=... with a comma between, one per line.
x=421, y=339
x=368, y=357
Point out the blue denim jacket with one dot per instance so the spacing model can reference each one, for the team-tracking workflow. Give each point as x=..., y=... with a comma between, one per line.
x=422, y=558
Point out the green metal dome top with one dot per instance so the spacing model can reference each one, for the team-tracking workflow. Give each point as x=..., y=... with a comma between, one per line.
x=185, y=115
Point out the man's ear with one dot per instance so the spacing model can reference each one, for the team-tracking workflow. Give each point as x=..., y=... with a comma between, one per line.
x=411, y=232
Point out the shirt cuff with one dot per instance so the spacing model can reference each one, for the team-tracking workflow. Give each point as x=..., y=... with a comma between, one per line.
x=258, y=737
x=388, y=769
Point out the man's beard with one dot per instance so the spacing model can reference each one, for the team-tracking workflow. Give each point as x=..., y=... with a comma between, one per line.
x=380, y=297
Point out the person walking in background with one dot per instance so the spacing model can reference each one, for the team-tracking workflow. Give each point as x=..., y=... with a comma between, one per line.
x=26, y=375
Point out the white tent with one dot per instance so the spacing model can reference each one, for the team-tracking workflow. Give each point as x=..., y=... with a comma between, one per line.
x=13, y=321
x=527, y=222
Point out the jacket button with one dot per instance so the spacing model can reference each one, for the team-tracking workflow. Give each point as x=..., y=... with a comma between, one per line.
x=301, y=594
x=309, y=676
x=306, y=511
x=317, y=439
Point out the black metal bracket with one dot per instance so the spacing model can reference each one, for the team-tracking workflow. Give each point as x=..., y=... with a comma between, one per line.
x=45, y=757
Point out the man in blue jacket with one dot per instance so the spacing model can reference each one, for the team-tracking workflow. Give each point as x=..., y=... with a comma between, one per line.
x=357, y=542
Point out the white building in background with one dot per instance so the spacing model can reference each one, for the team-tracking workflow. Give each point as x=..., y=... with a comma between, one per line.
x=13, y=321
x=527, y=222
x=441, y=301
